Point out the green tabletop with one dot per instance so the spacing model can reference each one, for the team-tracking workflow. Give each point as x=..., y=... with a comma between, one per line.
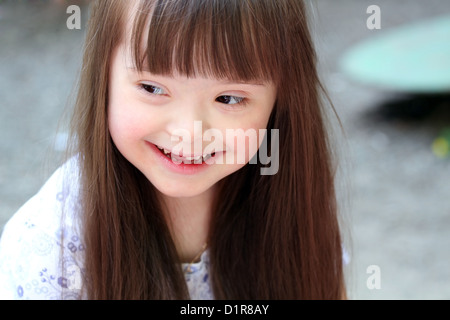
x=413, y=58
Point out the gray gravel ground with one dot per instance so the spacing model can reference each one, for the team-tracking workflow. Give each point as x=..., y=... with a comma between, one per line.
x=394, y=192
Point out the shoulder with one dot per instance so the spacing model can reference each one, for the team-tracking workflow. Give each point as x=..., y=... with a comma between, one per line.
x=40, y=239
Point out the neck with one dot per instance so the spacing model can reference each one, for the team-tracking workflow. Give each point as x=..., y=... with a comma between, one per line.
x=188, y=219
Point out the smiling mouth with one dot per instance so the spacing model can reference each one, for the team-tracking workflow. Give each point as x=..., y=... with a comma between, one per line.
x=186, y=160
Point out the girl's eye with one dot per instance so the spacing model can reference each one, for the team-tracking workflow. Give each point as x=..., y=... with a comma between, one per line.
x=230, y=99
x=153, y=89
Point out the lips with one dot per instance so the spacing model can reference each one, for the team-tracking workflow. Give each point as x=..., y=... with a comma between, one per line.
x=185, y=159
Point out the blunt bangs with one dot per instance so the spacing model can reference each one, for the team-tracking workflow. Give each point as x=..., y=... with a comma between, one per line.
x=232, y=39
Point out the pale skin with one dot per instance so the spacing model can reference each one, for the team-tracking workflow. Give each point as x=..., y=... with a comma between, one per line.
x=146, y=109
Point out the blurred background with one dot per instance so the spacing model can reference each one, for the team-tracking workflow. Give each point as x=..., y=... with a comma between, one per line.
x=395, y=163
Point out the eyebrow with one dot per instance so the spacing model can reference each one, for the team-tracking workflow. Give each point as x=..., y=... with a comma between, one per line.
x=224, y=82
x=244, y=82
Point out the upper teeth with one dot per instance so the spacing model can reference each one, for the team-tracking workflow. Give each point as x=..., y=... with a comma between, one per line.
x=193, y=158
x=197, y=158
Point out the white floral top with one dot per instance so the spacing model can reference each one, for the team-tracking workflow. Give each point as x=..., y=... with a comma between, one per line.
x=31, y=258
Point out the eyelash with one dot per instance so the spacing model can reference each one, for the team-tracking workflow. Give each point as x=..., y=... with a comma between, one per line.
x=242, y=102
x=145, y=87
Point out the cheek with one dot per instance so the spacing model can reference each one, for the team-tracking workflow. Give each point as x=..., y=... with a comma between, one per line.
x=127, y=125
x=128, y=118
x=122, y=126
x=243, y=142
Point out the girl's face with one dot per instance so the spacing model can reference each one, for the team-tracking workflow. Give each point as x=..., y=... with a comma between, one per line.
x=200, y=121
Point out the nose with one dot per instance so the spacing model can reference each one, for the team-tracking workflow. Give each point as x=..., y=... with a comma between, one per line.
x=186, y=128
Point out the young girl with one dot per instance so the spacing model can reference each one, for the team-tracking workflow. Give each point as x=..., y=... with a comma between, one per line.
x=141, y=211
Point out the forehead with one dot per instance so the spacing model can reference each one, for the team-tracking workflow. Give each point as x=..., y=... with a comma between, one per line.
x=188, y=38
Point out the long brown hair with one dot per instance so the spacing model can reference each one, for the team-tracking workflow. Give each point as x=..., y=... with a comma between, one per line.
x=271, y=236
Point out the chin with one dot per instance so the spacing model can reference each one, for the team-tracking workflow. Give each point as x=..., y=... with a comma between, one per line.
x=182, y=189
